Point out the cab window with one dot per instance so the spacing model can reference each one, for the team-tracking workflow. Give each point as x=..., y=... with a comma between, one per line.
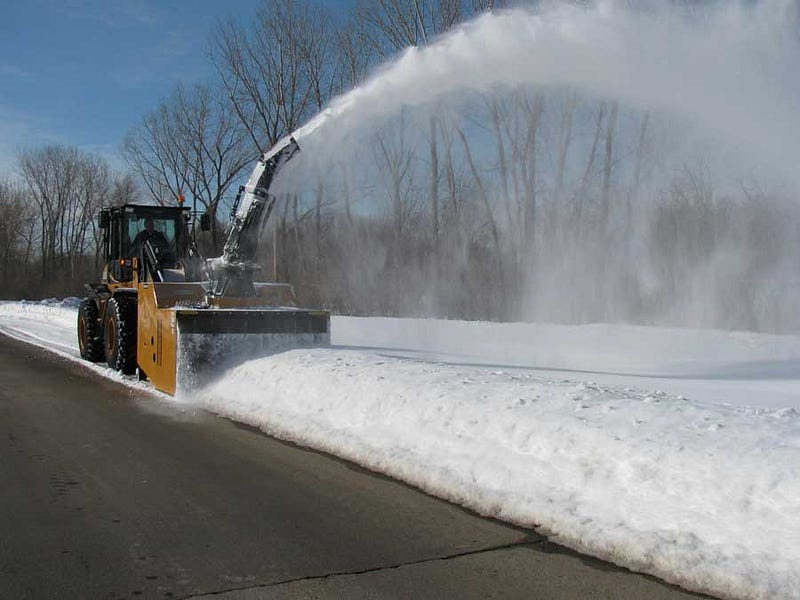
x=137, y=224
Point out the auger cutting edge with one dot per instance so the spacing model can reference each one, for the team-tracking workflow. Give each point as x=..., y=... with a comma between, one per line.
x=162, y=311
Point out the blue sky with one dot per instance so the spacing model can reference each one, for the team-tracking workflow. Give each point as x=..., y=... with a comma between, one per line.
x=83, y=71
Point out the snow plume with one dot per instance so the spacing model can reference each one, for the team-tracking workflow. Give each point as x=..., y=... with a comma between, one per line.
x=732, y=72
x=624, y=161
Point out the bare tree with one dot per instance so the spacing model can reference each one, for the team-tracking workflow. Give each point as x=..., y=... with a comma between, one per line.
x=354, y=52
x=395, y=157
x=609, y=159
x=484, y=196
x=280, y=71
x=124, y=190
x=67, y=187
x=217, y=147
x=397, y=24
x=391, y=26
x=564, y=140
x=15, y=219
x=533, y=110
x=154, y=151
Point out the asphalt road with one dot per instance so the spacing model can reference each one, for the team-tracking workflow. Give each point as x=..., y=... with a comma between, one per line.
x=112, y=493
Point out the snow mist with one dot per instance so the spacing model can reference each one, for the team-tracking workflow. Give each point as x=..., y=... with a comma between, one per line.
x=610, y=163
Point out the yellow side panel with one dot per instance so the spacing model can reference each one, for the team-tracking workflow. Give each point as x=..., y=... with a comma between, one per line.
x=157, y=340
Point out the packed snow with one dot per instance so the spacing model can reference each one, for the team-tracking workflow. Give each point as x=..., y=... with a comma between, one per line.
x=671, y=452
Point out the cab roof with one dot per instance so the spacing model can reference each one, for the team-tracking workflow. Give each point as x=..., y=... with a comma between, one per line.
x=149, y=209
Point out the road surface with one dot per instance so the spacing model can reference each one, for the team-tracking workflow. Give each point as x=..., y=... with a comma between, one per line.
x=113, y=493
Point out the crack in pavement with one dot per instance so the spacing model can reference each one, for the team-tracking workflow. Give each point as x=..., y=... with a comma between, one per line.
x=524, y=543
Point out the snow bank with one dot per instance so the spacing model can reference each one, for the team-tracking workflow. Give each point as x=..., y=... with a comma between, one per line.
x=702, y=494
x=49, y=323
x=741, y=368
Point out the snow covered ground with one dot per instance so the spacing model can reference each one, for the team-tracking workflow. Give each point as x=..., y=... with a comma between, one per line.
x=672, y=452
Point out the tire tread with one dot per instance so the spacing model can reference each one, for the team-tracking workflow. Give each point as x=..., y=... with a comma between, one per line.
x=92, y=349
x=123, y=312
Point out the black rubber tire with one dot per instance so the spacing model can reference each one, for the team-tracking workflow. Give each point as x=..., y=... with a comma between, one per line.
x=90, y=333
x=120, y=334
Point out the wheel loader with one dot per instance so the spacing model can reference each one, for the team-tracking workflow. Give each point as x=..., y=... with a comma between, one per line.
x=162, y=311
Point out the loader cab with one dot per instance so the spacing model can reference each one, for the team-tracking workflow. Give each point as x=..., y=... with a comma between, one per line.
x=125, y=229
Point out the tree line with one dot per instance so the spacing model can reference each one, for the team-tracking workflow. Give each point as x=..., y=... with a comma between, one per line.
x=48, y=226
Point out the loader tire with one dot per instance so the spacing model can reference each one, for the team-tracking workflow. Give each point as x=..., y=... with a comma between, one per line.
x=90, y=332
x=120, y=334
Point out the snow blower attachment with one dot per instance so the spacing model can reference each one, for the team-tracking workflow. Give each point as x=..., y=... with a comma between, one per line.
x=161, y=309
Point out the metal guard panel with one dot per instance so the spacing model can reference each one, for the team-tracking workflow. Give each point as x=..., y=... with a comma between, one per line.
x=173, y=294
x=214, y=321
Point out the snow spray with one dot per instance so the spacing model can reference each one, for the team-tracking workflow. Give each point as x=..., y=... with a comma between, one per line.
x=733, y=72
x=648, y=120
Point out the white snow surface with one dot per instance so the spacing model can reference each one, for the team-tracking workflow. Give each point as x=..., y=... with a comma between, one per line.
x=671, y=452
